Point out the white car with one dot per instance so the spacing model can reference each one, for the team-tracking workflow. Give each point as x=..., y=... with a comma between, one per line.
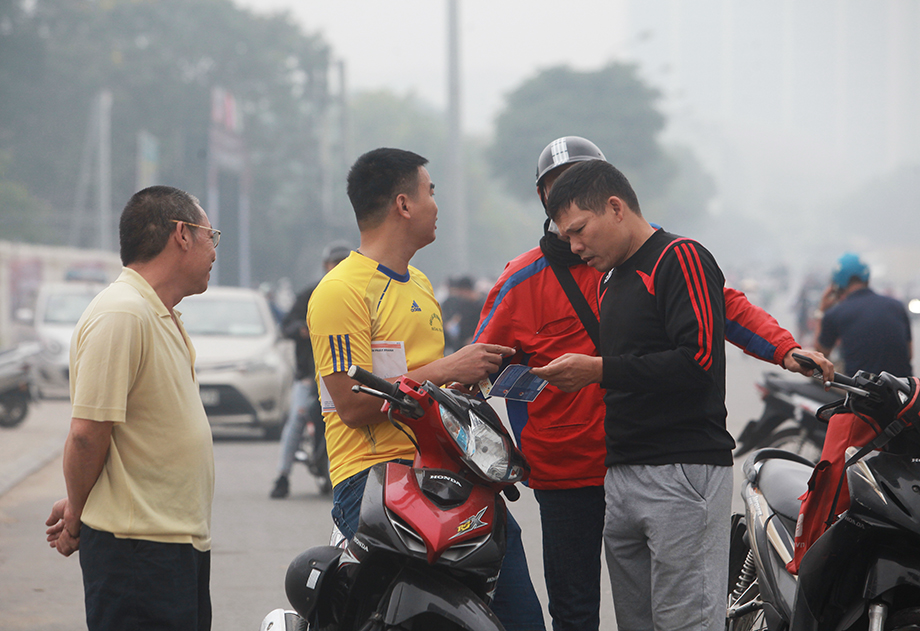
x=58, y=307
x=245, y=367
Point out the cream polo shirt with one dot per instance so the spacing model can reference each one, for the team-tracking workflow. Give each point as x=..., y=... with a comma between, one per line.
x=131, y=364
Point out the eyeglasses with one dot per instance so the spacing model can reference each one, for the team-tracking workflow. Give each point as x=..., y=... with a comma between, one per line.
x=215, y=233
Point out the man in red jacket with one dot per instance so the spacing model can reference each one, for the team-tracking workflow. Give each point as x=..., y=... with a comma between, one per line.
x=562, y=434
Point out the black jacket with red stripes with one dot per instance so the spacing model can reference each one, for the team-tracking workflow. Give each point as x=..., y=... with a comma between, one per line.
x=663, y=345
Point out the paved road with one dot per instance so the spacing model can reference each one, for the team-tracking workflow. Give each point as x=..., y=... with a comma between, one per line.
x=254, y=537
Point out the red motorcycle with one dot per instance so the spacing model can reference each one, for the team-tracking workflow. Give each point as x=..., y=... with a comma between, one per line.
x=431, y=537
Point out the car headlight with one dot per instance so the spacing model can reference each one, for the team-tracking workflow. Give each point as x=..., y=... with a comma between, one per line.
x=253, y=365
x=51, y=347
x=484, y=449
x=257, y=365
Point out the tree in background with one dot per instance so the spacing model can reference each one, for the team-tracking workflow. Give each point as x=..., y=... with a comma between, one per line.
x=160, y=59
x=613, y=108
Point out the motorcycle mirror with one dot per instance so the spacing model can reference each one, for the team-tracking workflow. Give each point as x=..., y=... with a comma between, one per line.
x=825, y=412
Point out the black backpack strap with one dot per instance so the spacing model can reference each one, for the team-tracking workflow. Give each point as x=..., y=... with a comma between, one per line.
x=579, y=302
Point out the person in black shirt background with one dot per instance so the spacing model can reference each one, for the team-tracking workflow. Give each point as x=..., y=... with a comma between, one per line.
x=304, y=398
x=874, y=332
x=460, y=311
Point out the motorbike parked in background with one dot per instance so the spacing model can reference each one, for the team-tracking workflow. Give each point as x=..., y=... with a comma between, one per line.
x=17, y=382
x=788, y=419
x=431, y=536
x=312, y=449
x=864, y=571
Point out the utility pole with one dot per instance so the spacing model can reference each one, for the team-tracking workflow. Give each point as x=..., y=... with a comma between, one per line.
x=104, y=183
x=457, y=203
x=98, y=145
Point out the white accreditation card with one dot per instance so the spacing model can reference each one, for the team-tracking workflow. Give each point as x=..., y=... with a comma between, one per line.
x=389, y=360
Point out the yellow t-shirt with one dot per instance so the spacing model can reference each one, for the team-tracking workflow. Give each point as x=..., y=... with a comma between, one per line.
x=358, y=306
x=131, y=364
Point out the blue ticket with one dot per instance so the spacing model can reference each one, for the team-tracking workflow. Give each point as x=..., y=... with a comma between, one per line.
x=518, y=384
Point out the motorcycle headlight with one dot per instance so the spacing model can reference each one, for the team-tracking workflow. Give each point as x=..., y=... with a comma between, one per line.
x=484, y=449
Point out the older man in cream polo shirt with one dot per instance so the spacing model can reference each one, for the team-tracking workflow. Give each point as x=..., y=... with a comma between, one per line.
x=138, y=461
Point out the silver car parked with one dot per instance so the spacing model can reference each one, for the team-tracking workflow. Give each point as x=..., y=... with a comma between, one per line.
x=245, y=367
x=58, y=307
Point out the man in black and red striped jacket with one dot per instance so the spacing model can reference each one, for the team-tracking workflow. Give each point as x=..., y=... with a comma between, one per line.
x=669, y=478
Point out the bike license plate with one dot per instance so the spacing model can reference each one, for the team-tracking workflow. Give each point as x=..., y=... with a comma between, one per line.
x=210, y=397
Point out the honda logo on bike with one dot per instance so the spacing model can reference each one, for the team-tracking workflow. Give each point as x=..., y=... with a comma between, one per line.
x=471, y=524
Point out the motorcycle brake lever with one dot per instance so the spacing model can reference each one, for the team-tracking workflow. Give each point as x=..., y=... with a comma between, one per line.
x=851, y=389
x=377, y=393
x=408, y=407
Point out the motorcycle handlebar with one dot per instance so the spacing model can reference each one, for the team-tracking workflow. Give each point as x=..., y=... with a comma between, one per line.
x=369, y=379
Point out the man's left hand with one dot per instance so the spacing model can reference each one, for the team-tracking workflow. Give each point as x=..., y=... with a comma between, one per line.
x=824, y=364
x=572, y=371
x=60, y=524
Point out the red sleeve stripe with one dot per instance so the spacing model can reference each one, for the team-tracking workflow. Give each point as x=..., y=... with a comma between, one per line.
x=692, y=267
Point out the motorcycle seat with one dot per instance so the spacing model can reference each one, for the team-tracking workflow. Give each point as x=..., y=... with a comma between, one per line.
x=782, y=483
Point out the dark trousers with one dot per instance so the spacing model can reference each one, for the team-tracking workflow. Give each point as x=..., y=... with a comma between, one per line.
x=573, y=533
x=516, y=603
x=134, y=585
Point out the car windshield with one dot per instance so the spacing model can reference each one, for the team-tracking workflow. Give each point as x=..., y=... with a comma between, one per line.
x=222, y=316
x=66, y=308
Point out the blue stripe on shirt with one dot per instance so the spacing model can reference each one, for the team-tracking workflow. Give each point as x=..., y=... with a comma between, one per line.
x=752, y=344
x=513, y=281
x=332, y=350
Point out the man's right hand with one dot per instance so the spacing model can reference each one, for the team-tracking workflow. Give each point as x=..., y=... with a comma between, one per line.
x=474, y=362
x=829, y=298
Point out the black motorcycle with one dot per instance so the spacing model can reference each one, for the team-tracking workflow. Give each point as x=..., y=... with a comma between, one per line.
x=788, y=420
x=864, y=571
x=16, y=383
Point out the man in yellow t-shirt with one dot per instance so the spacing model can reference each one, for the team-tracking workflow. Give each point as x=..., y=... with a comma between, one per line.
x=138, y=461
x=376, y=311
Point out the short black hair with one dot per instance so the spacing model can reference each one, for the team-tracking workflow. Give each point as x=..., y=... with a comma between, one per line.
x=147, y=221
x=377, y=177
x=589, y=185
x=336, y=252
x=460, y=282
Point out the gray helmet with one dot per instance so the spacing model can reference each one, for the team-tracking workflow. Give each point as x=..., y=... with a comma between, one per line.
x=566, y=150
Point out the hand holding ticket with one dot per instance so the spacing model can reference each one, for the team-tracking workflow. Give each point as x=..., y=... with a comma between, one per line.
x=572, y=371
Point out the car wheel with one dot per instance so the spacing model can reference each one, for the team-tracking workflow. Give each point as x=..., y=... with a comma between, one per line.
x=13, y=410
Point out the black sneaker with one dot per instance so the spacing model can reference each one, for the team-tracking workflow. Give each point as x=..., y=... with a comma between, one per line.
x=282, y=488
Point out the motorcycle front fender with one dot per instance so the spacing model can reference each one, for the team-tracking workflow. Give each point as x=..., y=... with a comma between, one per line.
x=415, y=592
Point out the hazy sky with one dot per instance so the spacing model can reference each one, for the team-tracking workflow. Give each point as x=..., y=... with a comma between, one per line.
x=402, y=45
x=838, y=75
x=791, y=106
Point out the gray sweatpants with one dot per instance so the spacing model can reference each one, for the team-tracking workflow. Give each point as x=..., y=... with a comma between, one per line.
x=666, y=536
